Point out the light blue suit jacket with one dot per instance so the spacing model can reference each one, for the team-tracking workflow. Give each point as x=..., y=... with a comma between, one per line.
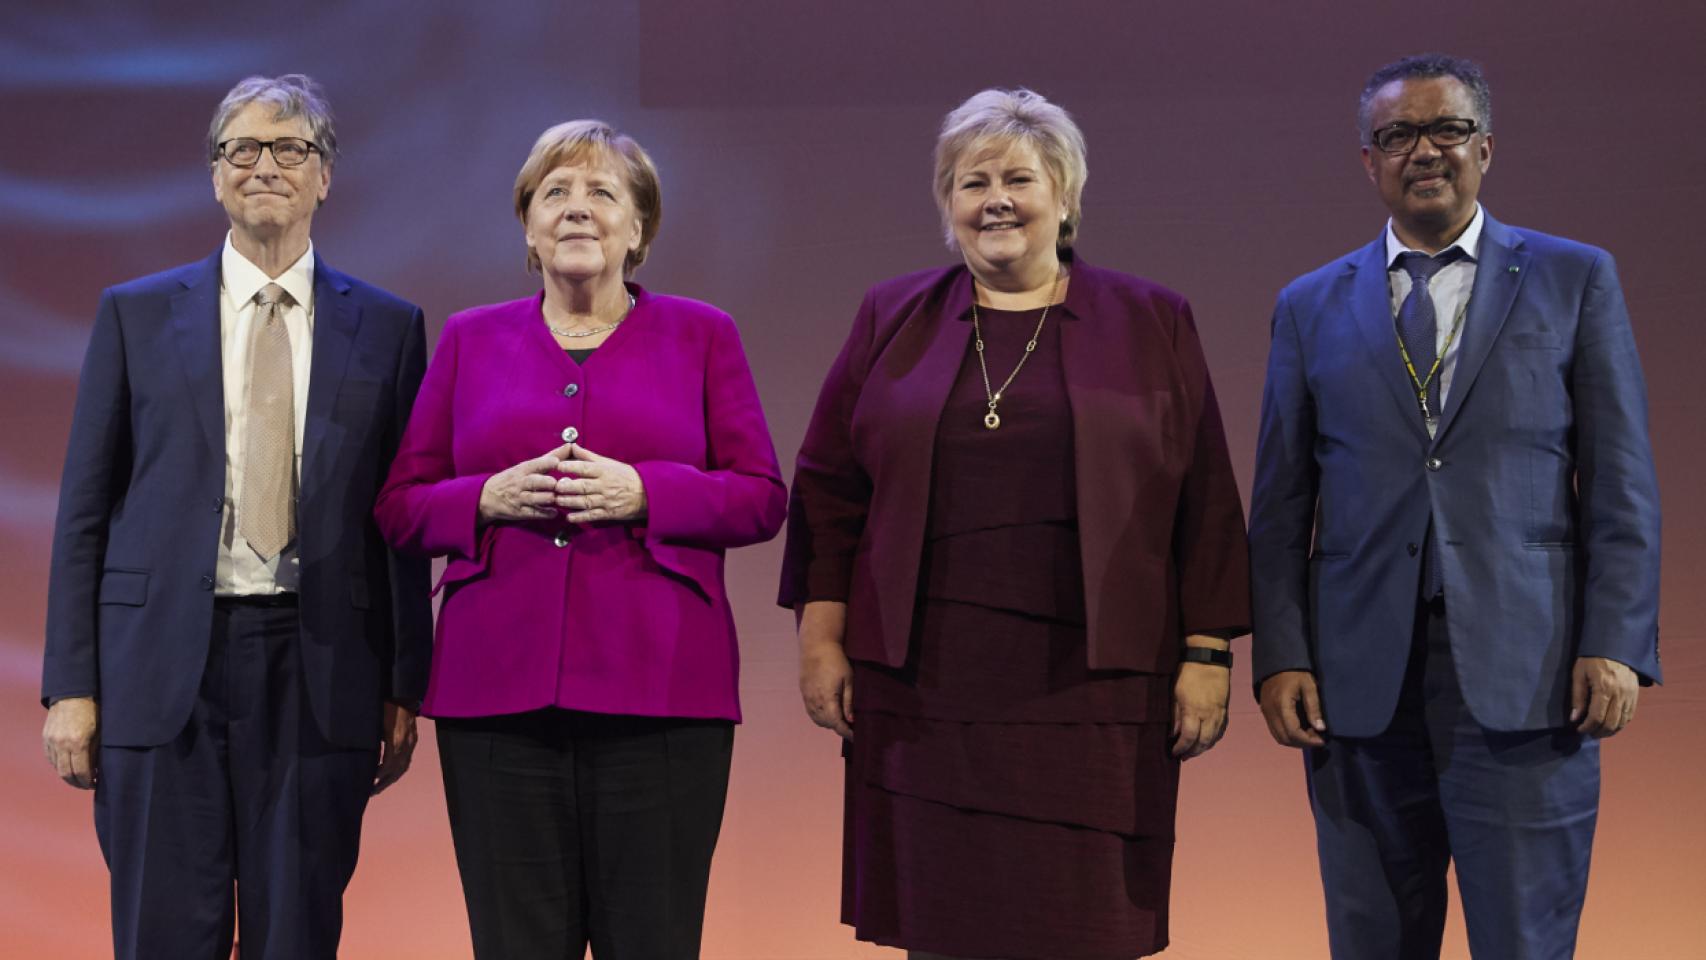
x=1540, y=481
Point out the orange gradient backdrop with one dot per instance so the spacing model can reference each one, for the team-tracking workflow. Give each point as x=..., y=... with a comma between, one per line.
x=794, y=143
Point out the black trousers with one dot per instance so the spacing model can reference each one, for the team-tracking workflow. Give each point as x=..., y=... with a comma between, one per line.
x=247, y=816
x=576, y=829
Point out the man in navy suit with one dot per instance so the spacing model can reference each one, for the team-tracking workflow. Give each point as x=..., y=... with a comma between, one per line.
x=1454, y=537
x=234, y=659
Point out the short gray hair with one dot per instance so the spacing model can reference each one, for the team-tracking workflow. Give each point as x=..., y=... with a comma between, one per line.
x=292, y=95
x=1428, y=66
x=996, y=115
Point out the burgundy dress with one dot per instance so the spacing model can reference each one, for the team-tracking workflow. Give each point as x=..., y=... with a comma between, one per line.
x=1004, y=800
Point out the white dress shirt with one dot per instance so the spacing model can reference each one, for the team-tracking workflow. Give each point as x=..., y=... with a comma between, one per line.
x=1450, y=292
x=240, y=571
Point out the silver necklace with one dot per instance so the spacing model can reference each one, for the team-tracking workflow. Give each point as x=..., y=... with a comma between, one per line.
x=992, y=420
x=595, y=331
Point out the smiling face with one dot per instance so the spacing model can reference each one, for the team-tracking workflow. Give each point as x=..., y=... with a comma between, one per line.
x=267, y=202
x=1005, y=211
x=1431, y=190
x=581, y=222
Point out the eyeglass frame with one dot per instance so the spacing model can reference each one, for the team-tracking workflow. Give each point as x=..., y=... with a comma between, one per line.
x=1420, y=130
x=266, y=146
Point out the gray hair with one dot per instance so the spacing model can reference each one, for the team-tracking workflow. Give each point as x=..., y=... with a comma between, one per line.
x=292, y=95
x=996, y=115
x=1427, y=66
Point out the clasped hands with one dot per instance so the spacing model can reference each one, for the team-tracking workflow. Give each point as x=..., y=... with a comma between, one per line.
x=570, y=481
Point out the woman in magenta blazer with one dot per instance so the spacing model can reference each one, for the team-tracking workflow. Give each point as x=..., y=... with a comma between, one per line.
x=583, y=458
x=1017, y=551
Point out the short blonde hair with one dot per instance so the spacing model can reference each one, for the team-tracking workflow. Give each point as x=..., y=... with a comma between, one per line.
x=995, y=116
x=577, y=141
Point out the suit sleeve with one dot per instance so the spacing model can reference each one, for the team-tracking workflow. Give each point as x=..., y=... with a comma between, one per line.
x=1209, y=547
x=1615, y=481
x=738, y=499
x=97, y=465
x=410, y=575
x=832, y=492
x=1282, y=507
x=425, y=508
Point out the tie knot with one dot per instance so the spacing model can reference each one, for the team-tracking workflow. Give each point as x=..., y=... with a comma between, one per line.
x=1422, y=267
x=270, y=294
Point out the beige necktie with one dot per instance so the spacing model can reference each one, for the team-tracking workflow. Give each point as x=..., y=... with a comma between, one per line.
x=266, y=506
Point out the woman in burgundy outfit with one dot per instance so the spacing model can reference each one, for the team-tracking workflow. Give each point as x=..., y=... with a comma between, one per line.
x=1017, y=553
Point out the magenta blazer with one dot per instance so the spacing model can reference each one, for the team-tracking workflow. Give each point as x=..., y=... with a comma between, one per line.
x=1160, y=525
x=610, y=618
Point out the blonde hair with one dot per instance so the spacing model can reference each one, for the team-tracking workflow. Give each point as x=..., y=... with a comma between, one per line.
x=577, y=141
x=1003, y=117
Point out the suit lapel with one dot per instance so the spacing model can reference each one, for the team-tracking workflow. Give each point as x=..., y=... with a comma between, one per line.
x=195, y=328
x=1498, y=276
x=336, y=320
x=1371, y=306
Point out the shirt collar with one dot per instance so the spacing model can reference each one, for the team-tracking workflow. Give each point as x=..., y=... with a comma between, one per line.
x=242, y=279
x=1469, y=241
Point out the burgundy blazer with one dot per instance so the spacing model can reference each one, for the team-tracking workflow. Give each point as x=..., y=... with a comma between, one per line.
x=612, y=618
x=1161, y=528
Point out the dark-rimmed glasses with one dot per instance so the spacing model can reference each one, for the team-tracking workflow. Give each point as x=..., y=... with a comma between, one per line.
x=1401, y=137
x=286, y=151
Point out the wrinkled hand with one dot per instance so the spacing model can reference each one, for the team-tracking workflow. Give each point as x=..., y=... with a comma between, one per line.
x=71, y=739
x=526, y=491
x=826, y=677
x=1200, y=694
x=396, y=745
x=1292, y=706
x=597, y=489
x=1602, y=696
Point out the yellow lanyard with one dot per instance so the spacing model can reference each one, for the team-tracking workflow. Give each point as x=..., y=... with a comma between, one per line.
x=1421, y=383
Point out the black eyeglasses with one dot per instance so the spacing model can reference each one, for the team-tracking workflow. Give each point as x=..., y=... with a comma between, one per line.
x=286, y=151
x=1401, y=137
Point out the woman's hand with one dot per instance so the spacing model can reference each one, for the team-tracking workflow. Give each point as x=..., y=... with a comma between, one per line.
x=1200, y=694
x=826, y=678
x=599, y=489
x=526, y=491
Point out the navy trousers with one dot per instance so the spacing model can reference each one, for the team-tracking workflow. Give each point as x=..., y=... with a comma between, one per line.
x=247, y=816
x=1514, y=811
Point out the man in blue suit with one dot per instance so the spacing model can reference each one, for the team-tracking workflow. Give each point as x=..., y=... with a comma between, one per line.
x=234, y=659
x=1454, y=538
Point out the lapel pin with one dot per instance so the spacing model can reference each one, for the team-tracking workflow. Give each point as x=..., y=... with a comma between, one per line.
x=1516, y=269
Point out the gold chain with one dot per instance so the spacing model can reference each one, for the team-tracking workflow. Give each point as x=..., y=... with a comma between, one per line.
x=992, y=420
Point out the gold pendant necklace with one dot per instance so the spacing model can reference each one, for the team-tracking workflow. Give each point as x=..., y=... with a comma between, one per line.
x=992, y=420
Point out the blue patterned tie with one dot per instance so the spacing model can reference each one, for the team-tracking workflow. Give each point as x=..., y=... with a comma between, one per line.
x=1419, y=329
x=1417, y=325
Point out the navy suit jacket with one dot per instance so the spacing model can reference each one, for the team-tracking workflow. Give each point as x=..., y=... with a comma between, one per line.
x=130, y=593
x=1540, y=483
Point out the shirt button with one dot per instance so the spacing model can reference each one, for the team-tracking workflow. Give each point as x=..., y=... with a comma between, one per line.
x=561, y=539
x=207, y=583
x=1434, y=463
x=571, y=390
x=1410, y=548
x=570, y=434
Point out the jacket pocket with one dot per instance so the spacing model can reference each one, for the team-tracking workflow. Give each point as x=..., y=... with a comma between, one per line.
x=127, y=587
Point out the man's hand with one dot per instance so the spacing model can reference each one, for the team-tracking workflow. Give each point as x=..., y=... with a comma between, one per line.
x=1292, y=706
x=526, y=491
x=826, y=677
x=597, y=489
x=1200, y=693
x=396, y=745
x=1602, y=696
x=71, y=740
